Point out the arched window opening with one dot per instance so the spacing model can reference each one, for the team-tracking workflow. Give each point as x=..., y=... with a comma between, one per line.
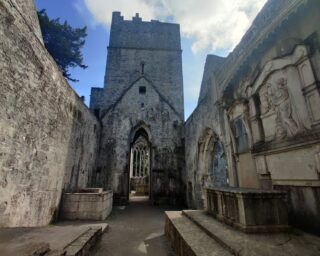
x=241, y=136
x=140, y=164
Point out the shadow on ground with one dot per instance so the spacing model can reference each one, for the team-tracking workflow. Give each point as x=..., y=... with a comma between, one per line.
x=136, y=229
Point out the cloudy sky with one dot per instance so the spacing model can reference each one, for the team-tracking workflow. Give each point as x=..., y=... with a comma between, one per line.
x=207, y=27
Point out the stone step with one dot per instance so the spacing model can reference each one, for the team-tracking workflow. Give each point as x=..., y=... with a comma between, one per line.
x=83, y=243
x=243, y=244
x=188, y=239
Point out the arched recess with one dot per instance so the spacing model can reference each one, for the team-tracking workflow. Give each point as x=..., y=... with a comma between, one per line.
x=217, y=170
x=211, y=165
x=140, y=161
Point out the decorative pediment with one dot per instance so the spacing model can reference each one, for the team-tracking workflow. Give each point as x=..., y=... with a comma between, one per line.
x=284, y=97
x=299, y=55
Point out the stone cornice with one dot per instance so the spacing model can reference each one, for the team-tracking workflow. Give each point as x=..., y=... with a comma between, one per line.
x=270, y=17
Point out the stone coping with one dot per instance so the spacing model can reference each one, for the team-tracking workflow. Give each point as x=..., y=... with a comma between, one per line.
x=90, y=193
x=51, y=240
x=188, y=239
x=83, y=243
x=90, y=190
x=245, y=190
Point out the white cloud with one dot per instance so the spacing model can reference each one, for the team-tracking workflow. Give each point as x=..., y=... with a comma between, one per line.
x=210, y=24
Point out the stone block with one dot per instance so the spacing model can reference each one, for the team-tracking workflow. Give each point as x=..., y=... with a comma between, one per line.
x=250, y=210
x=87, y=206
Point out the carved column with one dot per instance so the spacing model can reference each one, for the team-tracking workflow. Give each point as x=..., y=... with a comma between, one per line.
x=310, y=91
x=140, y=162
x=254, y=117
x=136, y=163
x=131, y=162
x=143, y=162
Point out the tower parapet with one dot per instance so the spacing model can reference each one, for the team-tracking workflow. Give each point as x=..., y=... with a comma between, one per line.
x=140, y=34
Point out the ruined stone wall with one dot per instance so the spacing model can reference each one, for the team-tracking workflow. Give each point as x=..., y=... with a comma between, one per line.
x=207, y=90
x=164, y=127
x=28, y=12
x=143, y=55
x=204, y=129
x=268, y=97
x=48, y=136
x=96, y=100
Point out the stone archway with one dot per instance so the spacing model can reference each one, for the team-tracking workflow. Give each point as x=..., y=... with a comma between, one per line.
x=211, y=165
x=140, y=159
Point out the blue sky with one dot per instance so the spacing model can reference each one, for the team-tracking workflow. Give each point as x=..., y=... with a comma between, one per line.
x=207, y=27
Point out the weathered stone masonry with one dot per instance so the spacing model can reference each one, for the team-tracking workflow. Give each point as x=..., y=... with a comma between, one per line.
x=143, y=92
x=48, y=137
x=257, y=122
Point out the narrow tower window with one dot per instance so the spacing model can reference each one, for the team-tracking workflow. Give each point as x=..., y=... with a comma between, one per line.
x=142, y=68
x=142, y=90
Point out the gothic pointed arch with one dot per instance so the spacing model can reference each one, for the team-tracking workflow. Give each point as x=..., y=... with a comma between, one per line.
x=212, y=164
x=140, y=129
x=140, y=159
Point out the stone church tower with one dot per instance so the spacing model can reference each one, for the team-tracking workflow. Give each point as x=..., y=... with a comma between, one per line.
x=141, y=111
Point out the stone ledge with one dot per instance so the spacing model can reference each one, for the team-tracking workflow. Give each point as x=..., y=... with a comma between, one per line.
x=188, y=239
x=52, y=240
x=242, y=244
x=82, y=244
x=250, y=210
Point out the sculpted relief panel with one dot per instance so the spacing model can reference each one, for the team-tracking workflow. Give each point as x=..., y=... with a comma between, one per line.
x=278, y=95
x=278, y=109
x=284, y=108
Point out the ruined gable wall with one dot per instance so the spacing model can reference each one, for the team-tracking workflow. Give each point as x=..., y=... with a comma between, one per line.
x=157, y=45
x=48, y=136
x=165, y=127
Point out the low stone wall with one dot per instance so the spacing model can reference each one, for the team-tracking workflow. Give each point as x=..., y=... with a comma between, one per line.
x=250, y=210
x=88, y=204
x=178, y=243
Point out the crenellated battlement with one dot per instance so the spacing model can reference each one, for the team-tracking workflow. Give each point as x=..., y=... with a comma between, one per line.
x=140, y=34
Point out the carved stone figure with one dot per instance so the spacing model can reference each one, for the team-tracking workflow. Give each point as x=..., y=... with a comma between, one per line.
x=278, y=94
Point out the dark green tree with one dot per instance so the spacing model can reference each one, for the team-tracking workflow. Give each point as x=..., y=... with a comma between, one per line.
x=63, y=42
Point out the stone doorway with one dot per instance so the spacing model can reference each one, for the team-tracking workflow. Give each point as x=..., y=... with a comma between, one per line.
x=139, y=177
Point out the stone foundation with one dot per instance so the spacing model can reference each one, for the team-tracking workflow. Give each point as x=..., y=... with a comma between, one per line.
x=250, y=210
x=87, y=204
